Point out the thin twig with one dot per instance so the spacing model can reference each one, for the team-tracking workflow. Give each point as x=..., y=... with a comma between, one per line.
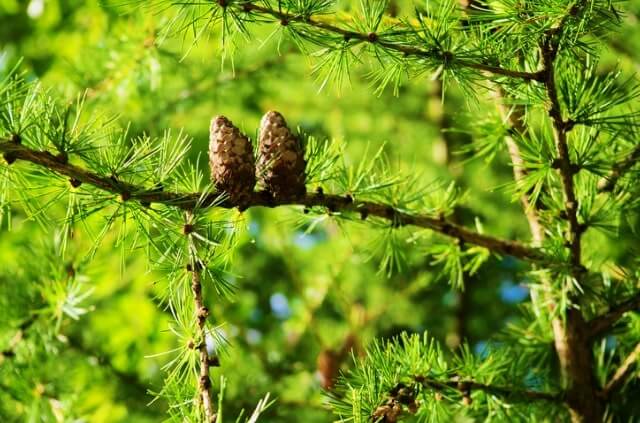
x=333, y=203
x=608, y=183
x=406, y=50
x=402, y=397
x=204, y=381
x=623, y=372
x=601, y=324
x=465, y=387
x=565, y=167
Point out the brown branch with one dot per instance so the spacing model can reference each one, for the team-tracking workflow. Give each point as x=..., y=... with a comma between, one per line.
x=465, y=388
x=608, y=183
x=204, y=381
x=565, y=339
x=572, y=343
x=623, y=372
x=571, y=339
x=334, y=203
x=285, y=18
x=563, y=162
x=403, y=398
x=601, y=324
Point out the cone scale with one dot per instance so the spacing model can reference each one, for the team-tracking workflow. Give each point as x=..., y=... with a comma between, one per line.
x=281, y=164
x=231, y=161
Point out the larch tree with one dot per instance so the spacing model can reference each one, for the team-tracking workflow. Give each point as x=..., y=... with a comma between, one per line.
x=319, y=210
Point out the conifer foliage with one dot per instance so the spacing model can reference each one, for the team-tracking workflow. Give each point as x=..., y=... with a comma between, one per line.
x=532, y=90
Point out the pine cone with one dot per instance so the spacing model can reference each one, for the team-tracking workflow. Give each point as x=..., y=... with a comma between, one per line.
x=281, y=165
x=231, y=160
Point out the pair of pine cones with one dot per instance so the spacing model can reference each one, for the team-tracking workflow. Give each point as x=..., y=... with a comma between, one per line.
x=280, y=168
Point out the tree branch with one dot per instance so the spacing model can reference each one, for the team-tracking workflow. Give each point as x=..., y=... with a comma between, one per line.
x=571, y=341
x=623, y=372
x=334, y=203
x=406, y=50
x=566, y=169
x=465, y=388
x=608, y=183
x=566, y=340
x=204, y=382
x=601, y=324
x=402, y=397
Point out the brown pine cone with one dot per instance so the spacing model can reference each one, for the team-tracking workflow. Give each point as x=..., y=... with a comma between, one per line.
x=281, y=165
x=231, y=160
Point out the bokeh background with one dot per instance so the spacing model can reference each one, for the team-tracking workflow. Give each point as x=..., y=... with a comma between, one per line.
x=305, y=294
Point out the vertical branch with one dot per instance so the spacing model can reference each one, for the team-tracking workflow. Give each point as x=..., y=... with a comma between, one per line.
x=562, y=344
x=563, y=162
x=571, y=338
x=572, y=344
x=516, y=121
x=204, y=381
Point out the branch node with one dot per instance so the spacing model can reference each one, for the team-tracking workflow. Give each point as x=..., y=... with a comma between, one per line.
x=16, y=139
x=10, y=158
x=62, y=157
x=582, y=227
x=205, y=383
x=75, y=182
x=203, y=313
x=574, y=168
x=214, y=361
x=190, y=267
x=447, y=57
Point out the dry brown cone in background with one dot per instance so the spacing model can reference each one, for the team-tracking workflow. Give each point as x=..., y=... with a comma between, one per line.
x=231, y=160
x=281, y=165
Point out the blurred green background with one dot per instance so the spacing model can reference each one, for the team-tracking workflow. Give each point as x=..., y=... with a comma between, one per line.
x=305, y=294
